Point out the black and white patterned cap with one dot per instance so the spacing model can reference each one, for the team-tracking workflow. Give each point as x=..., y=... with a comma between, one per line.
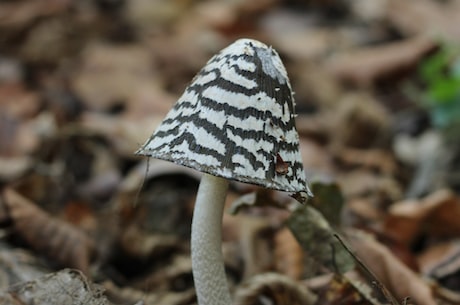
x=236, y=120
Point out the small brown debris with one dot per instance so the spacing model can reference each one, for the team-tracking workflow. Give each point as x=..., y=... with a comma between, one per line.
x=281, y=167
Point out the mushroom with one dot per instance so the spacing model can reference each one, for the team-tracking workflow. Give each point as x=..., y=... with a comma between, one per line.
x=235, y=121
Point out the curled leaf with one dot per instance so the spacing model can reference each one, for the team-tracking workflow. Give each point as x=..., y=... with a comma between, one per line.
x=58, y=240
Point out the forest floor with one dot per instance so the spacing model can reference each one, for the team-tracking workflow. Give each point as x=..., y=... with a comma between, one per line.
x=83, y=220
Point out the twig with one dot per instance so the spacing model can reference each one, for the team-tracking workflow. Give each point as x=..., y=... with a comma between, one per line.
x=387, y=294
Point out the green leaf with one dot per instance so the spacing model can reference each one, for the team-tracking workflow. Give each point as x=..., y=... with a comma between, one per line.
x=328, y=200
x=445, y=90
x=432, y=68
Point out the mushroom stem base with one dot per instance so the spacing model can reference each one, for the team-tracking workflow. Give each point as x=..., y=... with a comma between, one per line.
x=206, y=243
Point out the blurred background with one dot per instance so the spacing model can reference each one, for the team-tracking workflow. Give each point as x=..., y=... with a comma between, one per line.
x=84, y=83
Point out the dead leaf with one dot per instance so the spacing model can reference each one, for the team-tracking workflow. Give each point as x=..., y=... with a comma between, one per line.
x=376, y=188
x=273, y=288
x=54, y=238
x=14, y=167
x=300, y=43
x=128, y=295
x=19, y=102
x=143, y=246
x=341, y=290
x=436, y=215
x=260, y=198
x=441, y=262
x=112, y=74
x=64, y=287
x=368, y=66
x=315, y=235
x=374, y=159
x=22, y=14
x=359, y=121
x=391, y=272
x=19, y=265
x=360, y=212
x=289, y=255
x=425, y=17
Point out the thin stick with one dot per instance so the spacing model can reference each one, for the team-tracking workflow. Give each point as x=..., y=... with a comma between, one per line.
x=369, y=273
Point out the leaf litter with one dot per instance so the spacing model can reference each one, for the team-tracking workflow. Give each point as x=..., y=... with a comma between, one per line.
x=83, y=84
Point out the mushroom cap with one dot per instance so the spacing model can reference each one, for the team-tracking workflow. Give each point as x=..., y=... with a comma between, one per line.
x=236, y=120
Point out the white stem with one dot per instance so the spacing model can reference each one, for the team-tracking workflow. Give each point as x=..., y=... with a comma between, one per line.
x=207, y=260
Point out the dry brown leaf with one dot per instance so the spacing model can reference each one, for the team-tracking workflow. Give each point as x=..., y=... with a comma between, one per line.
x=124, y=133
x=316, y=158
x=21, y=14
x=179, y=67
x=367, y=66
x=170, y=284
x=426, y=17
x=390, y=271
x=404, y=220
x=315, y=86
x=22, y=137
x=438, y=256
x=14, y=167
x=375, y=187
x=442, y=263
x=18, y=107
x=127, y=295
x=110, y=74
x=436, y=215
x=252, y=236
x=64, y=287
x=443, y=220
x=300, y=43
x=374, y=159
x=360, y=121
x=148, y=15
x=273, y=288
x=19, y=102
x=360, y=211
x=341, y=290
x=141, y=245
x=175, y=275
x=58, y=32
x=80, y=214
x=58, y=240
x=289, y=255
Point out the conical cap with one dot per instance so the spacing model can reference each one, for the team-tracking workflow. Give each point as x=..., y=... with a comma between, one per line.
x=236, y=120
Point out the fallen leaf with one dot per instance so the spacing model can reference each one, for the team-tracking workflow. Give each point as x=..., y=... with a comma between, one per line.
x=367, y=123
x=317, y=238
x=14, y=167
x=112, y=74
x=425, y=17
x=64, y=287
x=441, y=262
x=273, y=288
x=288, y=254
x=341, y=290
x=390, y=271
x=367, y=66
x=435, y=215
x=58, y=240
